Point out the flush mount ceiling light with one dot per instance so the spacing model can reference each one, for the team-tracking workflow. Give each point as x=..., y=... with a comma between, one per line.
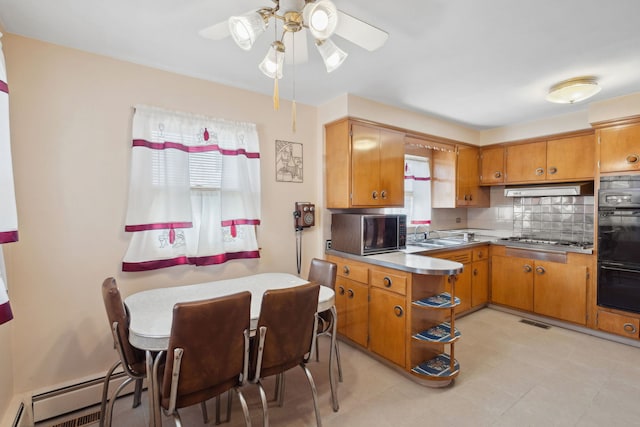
x=573, y=90
x=319, y=17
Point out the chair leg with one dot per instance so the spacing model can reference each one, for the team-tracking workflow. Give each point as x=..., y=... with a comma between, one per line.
x=176, y=418
x=218, y=410
x=265, y=410
x=281, y=390
x=205, y=415
x=105, y=392
x=317, y=349
x=229, y=399
x=314, y=394
x=112, y=400
x=243, y=404
x=337, y=350
x=137, y=394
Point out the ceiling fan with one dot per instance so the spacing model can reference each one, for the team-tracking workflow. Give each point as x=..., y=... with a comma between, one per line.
x=320, y=18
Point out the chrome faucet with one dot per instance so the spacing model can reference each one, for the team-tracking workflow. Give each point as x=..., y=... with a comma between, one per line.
x=415, y=233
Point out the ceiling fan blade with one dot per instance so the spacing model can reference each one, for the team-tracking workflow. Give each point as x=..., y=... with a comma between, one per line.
x=300, y=47
x=216, y=32
x=359, y=32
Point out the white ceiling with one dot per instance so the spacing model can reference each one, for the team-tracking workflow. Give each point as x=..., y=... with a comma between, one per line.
x=483, y=64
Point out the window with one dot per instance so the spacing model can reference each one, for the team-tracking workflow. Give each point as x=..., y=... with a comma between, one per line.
x=194, y=195
x=417, y=191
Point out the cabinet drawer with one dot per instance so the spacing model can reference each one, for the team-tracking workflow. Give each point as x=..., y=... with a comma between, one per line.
x=463, y=257
x=357, y=272
x=618, y=324
x=386, y=280
x=480, y=253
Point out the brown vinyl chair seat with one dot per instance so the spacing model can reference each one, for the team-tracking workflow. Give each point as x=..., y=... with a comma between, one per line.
x=208, y=353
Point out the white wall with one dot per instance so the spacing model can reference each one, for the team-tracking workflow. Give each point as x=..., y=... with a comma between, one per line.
x=70, y=124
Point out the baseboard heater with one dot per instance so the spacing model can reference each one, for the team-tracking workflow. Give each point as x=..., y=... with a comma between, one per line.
x=74, y=397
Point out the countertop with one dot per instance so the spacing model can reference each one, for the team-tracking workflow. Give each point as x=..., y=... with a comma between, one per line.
x=405, y=260
x=416, y=259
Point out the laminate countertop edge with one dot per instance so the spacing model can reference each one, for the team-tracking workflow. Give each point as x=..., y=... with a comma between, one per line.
x=411, y=263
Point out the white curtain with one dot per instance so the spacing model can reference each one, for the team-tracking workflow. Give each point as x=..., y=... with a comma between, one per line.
x=417, y=182
x=8, y=213
x=194, y=193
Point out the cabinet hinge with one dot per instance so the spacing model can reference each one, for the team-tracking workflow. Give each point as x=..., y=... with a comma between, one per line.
x=598, y=139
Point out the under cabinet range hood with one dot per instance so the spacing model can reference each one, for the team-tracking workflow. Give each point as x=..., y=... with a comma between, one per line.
x=542, y=190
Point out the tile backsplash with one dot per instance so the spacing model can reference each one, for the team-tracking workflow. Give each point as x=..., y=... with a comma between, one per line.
x=568, y=218
x=558, y=218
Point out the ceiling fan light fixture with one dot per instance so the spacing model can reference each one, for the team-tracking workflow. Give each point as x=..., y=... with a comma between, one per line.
x=573, y=90
x=246, y=28
x=321, y=17
x=272, y=64
x=332, y=55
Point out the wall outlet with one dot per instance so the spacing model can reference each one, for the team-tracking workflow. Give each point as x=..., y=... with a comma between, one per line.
x=328, y=244
x=458, y=220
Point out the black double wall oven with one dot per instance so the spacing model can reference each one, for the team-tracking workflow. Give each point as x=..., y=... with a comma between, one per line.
x=619, y=242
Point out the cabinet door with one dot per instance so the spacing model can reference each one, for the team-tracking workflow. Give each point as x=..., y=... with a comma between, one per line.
x=512, y=281
x=341, y=287
x=479, y=283
x=391, y=168
x=357, y=313
x=387, y=325
x=560, y=291
x=527, y=162
x=620, y=149
x=462, y=289
x=443, y=179
x=365, y=165
x=492, y=165
x=571, y=158
x=468, y=190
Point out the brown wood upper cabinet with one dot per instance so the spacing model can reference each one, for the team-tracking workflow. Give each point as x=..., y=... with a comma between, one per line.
x=561, y=159
x=620, y=148
x=364, y=165
x=455, y=180
x=492, y=165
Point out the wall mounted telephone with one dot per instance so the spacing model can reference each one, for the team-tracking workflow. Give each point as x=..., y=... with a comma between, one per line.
x=304, y=215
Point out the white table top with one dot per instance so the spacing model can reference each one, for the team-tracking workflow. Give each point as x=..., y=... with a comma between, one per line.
x=152, y=311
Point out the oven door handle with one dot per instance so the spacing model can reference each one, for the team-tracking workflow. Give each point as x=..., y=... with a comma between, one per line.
x=627, y=270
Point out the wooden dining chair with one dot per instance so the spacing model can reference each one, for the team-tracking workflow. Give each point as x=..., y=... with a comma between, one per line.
x=130, y=358
x=208, y=354
x=285, y=338
x=324, y=273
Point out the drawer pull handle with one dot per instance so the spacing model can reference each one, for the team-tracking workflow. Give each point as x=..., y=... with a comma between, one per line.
x=341, y=290
x=629, y=328
x=345, y=270
x=374, y=195
x=475, y=271
x=498, y=174
x=553, y=171
x=633, y=159
x=387, y=282
x=540, y=269
x=527, y=268
x=539, y=172
x=383, y=194
x=350, y=292
x=398, y=311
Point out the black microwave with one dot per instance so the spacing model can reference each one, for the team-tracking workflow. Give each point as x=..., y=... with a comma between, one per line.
x=367, y=234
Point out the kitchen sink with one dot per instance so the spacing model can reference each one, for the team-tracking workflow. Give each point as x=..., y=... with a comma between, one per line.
x=437, y=243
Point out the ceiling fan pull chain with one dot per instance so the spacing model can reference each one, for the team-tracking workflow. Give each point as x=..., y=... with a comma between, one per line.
x=276, y=94
x=293, y=104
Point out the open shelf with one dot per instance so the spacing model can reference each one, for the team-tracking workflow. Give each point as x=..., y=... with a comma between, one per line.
x=442, y=300
x=440, y=333
x=437, y=368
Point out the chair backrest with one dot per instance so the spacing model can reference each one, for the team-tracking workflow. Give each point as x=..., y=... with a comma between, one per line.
x=289, y=318
x=212, y=335
x=323, y=272
x=133, y=358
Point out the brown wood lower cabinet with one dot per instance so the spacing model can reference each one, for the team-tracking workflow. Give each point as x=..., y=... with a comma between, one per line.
x=404, y=318
x=619, y=324
x=387, y=317
x=525, y=280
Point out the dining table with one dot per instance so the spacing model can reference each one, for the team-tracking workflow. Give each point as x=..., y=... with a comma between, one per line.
x=151, y=315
